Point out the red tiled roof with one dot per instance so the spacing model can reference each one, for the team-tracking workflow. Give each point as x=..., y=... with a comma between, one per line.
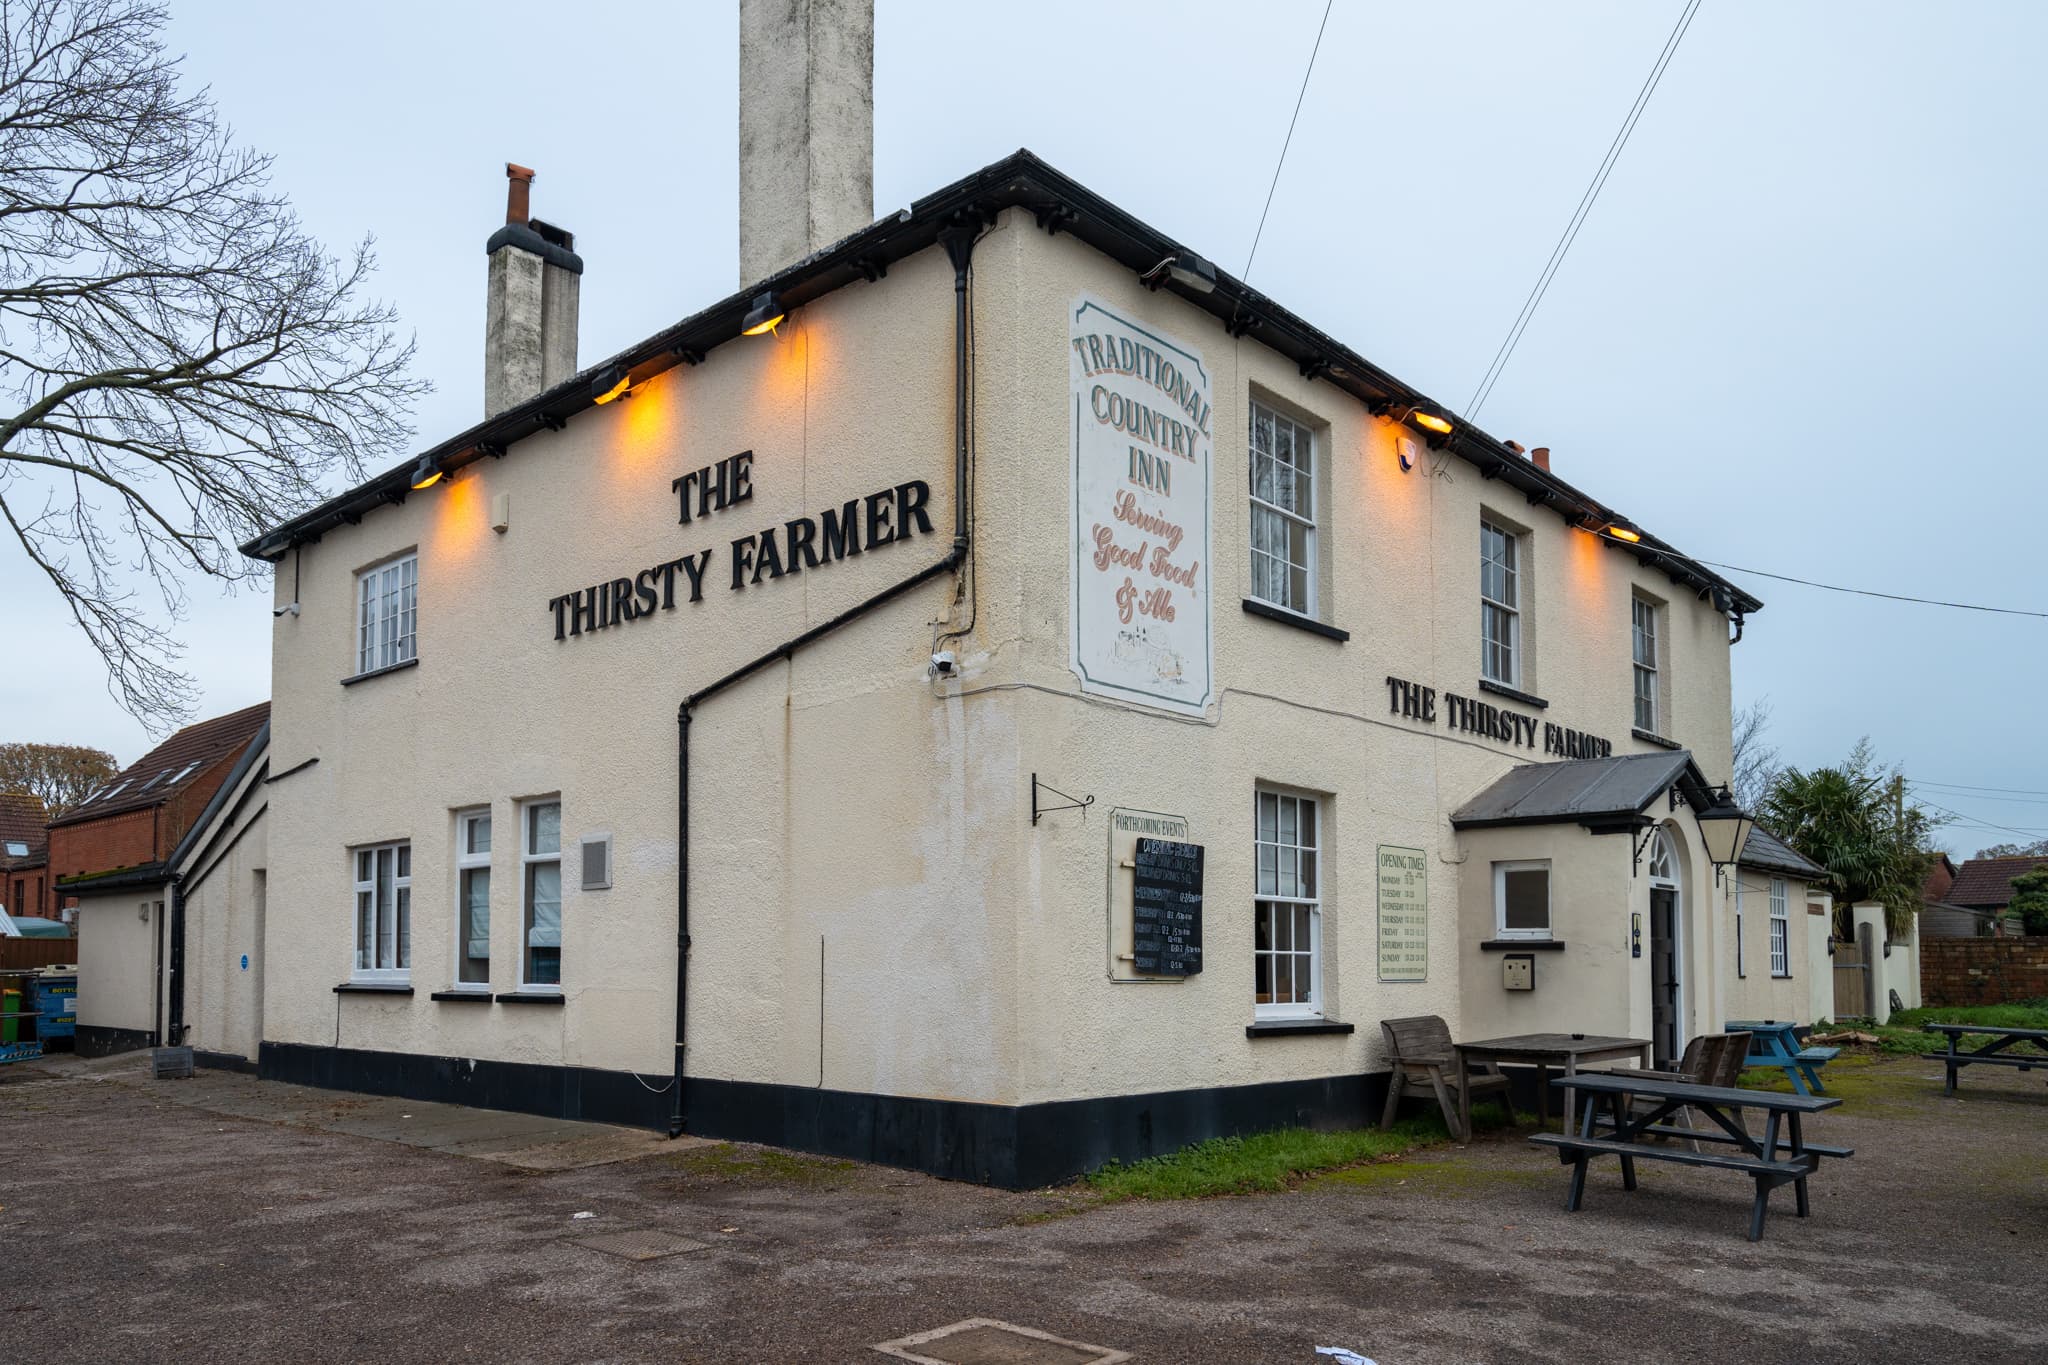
x=22, y=821
x=173, y=765
x=1986, y=883
x=1940, y=878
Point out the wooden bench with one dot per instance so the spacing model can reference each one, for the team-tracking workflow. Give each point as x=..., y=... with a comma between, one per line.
x=1990, y=1053
x=1420, y=1051
x=1780, y=1157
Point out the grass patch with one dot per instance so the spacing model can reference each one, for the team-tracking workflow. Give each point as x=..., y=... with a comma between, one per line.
x=1277, y=1160
x=1902, y=1035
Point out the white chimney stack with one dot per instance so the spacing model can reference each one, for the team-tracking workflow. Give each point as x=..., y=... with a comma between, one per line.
x=807, y=128
x=530, y=315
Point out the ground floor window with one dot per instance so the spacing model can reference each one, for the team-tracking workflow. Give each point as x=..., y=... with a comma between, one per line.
x=1521, y=899
x=1287, y=910
x=384, y=912
x=473, y=898
x=540, y=858
x=1781, y=960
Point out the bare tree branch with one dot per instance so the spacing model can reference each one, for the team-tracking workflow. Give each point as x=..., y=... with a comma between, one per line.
x=181, y=365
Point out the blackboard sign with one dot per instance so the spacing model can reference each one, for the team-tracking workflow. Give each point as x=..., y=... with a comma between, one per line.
x=1166, y=908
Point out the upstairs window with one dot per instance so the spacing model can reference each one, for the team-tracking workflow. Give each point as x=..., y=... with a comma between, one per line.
x=1644, y=618
x=1500, y=610
x=387, y=614
x=1283, y=512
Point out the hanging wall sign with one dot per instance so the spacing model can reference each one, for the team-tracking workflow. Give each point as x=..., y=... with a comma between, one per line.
x=1404, y=914
x=1141, y=462
x=1166, y=908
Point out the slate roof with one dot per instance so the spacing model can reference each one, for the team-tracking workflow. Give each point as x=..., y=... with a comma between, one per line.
x=172, y=766
x=1986, y=883
x=22, y=822
x=1768, y=852
x=1587, y=791
x=1062, y=205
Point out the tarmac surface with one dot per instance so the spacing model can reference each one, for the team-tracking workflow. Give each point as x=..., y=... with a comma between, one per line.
x=227, y=1219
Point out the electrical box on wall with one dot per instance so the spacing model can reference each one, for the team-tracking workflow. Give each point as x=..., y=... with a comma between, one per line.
x=1518, y=971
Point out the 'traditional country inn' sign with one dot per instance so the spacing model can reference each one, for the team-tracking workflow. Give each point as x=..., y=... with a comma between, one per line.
x=1142, y=452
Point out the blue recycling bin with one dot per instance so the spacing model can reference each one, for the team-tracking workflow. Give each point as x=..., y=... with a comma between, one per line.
x=57, y=1016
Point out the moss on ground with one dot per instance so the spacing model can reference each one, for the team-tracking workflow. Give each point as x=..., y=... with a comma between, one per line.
x=732, y=1163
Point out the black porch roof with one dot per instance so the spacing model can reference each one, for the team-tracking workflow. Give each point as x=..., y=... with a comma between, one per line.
x=1595, y=792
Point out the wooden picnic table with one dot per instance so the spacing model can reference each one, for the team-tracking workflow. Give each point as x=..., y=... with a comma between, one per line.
x=1992, y=1052
x=1781, y=1156
x=1566, y=1051
x=1774, y=1044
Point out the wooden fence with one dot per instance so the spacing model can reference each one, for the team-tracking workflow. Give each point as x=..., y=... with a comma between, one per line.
x=19, y=953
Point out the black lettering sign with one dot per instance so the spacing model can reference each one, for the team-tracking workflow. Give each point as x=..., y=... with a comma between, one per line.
x=1166, y=908
x=1413, y=701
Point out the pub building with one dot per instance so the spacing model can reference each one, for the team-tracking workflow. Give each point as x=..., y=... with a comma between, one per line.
x=993, y=695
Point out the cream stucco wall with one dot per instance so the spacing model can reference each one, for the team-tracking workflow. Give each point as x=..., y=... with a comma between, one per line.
x=872, y=908
x=1757, y=993
x=117, y=956
x=224, y=896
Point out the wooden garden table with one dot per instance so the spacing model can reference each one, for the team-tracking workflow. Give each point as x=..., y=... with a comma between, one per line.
x=1564, y=1051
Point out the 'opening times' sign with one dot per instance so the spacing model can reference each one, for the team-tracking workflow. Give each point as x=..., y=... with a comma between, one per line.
x=1404, y=914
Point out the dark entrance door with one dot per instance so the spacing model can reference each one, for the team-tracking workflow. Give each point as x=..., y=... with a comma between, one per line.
x=1664, y=975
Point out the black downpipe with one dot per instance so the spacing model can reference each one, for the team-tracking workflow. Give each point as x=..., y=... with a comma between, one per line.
x=175, y=1029
x=959, y=245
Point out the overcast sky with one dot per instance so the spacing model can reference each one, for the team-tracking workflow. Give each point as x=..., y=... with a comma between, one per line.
x=1798, y=332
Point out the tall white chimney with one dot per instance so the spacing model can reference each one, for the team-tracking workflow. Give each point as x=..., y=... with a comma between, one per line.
x=530, y=314
x=807, y=128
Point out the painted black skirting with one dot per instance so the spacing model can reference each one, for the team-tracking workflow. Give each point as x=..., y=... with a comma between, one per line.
x=95, y=1041
x=223, y=1061
x=1014, y=1147
x=570, y=1092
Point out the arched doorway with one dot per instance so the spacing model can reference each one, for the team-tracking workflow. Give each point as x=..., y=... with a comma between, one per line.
x=1667, y=952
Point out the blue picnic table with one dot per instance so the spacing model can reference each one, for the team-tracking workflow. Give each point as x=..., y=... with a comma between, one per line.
x=1774, y=1043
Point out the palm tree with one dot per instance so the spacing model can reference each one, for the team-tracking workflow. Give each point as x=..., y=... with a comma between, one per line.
x=1851, y=820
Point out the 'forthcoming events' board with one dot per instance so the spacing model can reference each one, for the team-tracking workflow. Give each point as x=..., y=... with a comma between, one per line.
x=1166, y=908
x=1404, y=914
x=1141, y=463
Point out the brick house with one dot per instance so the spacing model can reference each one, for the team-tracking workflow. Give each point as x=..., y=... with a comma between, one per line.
x=1984, y=885
x=136, y=820
x=25, y=857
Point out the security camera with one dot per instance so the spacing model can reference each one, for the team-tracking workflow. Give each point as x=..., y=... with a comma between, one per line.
x=943, y=664
x=292, y=609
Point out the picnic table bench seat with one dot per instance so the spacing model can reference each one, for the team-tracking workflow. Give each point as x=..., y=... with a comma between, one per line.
x=1991, y=1052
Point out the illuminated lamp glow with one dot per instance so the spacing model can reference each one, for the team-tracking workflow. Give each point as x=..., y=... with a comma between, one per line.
x=610, y=383
x=1624, y=533
x=426, y=473
x=1430, y=421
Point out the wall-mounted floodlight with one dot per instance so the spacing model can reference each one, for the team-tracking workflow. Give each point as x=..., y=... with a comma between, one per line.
x=766, y=313
x=1422, y=415
x=609, y=383
x=1627, y=533
x=426, y=473
x=1185, y=269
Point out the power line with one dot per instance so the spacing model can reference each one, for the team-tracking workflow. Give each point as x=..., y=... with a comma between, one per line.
x=1867, y=592
x=1578, y=219
x=1981, y=824
x=1247, y=275
x=1978, y=796
x=1967, y=787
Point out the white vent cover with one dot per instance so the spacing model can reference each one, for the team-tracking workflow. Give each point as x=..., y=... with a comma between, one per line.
x=597, y=862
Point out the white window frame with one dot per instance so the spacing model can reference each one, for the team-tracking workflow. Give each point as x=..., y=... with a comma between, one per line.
x=467, y=862
x=1302, y=437
x=1507, y=609
x=387, y=613
x=1736, y=880
x=1643, y=647
x=1781, y=929
x=528, y=860
x=394, y=968
x=1266, y=902
x=1500, y=900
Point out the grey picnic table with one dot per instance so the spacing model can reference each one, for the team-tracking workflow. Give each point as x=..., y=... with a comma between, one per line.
x=1782, y=1156
x=1566, y=1052
x=1992, y=1052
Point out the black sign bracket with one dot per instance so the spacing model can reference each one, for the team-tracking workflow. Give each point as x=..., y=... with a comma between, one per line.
x=1037, y=810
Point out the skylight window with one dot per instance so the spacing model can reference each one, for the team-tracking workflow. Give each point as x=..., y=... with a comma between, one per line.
x=16, y=849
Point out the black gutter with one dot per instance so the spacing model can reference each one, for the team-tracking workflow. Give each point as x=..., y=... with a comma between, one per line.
x=959, y=241
x=1060, y=204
